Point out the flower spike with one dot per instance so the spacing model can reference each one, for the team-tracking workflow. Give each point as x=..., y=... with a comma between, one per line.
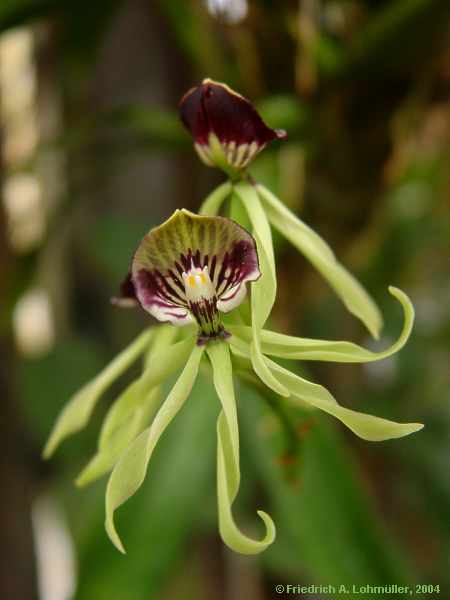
x=227, y=129
x=191, y=268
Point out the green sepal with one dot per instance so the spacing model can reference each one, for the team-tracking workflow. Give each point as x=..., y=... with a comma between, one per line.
x=351, y=292
x=367, y=427
x=307, y=394
x=129, y=473
x=157, y=370
x=290, y=347
x=122, y=436
x=77, y=412
x=228, y=471
x=263, y=291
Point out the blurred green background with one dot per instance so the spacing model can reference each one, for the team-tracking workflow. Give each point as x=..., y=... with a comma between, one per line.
x=92, y=155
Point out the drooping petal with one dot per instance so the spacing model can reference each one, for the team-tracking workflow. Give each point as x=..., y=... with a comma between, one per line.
x=367, y=427
x=134, y=408
x=77, y=412
x=228, y=470
x=317, y=251
x=290, y=347
x=105, y=459
x=214, y=112
x=129, y=472
x=308, y=394
x=264, y=291
x=191, y=267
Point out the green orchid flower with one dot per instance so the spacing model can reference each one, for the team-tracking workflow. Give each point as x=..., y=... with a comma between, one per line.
x=192, y=273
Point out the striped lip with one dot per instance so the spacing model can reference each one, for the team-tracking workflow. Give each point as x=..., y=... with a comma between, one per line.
x=191, y=268
x=213, y=113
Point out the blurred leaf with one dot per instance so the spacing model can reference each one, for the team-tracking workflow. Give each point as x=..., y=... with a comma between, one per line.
x=193, y=30
x=284, y=112
x=103, y=246
x=156, y=127
x=46, y=384
x=17, y=12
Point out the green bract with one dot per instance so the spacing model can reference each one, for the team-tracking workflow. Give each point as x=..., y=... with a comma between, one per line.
x=189, y=272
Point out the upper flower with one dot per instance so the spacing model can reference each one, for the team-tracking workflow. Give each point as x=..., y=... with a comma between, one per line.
x=227, y=130
x=192, y=267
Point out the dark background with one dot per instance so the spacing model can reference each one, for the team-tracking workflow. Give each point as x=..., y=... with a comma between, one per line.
x=92, y=155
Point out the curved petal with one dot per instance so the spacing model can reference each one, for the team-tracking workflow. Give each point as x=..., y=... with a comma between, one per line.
x=367, y=427
x=264, y=290
x=123, y=435
x=77, y=412
x=129, y=472
x=228, y=472
x=162, y=365
x=212, y=204
x=286, y=346
x=351, y=292
x=134, y=408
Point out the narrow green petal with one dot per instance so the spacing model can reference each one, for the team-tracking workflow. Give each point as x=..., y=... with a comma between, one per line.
x=367, y=427
x=228, y=472
x=212, y=204
x=264, y=290
x=159, y=368
x=286, y=346
x=351, y=292
x=129, y=472
x=122, y=436
x=133, y=410
x=219, y=355
x=229, y=531
x=77, y=412
x=260, y=368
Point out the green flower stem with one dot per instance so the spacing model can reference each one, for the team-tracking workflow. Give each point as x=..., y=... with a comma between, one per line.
x=228, y=472
x=354, y=296
x=77, y=412
x=286, y=346
x=264, y=290
x=130, y=471
x=211, y=206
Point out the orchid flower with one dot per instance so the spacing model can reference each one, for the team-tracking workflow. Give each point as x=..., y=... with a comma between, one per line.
x=192, y=273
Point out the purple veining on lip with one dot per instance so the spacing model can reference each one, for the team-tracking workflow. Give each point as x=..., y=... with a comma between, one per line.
x=151, y=291
x=183, y=268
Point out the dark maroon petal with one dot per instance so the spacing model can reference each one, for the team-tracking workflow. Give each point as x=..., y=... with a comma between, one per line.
x=127, y=294
x=215, y=108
